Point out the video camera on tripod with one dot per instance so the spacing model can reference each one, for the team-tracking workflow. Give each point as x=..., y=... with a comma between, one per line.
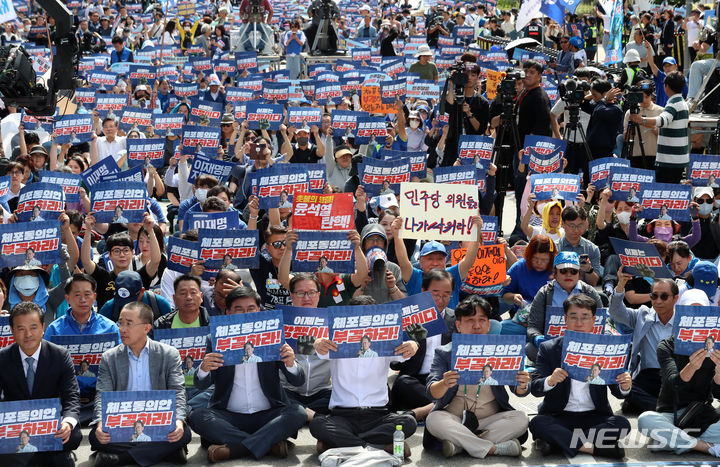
x=255, y=11
x=634, y=95
x=573, y=92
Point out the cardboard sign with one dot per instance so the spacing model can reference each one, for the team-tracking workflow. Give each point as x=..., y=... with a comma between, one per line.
x=306, y=324
x=6, y=336
x=30, y=426
x=365, y=331
x=86, y=350
x=487, y=272
x=152, y=151
x=138, y=416
x=475, y=148
x=323, y=212
x=277, y=184
x=33, y=243
x=595, y=359
x=248, y=337
x=544, y=154
x=438, y=211
x=372, y=103
x=493, y=80
x=105, y=167
x=640, y=259
x=73, y=129
x=487, y=359
x=203, y=165
x=695, y=328
x=211, y=220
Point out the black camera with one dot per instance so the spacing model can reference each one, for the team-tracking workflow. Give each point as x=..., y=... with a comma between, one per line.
x=458, y=74
x=634, y=95
x=507, y=87
x=573, y=92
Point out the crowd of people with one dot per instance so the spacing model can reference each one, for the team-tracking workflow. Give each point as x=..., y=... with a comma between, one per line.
x=117, y=278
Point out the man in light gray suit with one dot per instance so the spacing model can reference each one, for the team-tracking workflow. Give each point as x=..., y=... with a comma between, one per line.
x=140, y=364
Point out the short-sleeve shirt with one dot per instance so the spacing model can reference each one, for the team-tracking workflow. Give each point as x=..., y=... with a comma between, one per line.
x=414, y=285
x=328, y=293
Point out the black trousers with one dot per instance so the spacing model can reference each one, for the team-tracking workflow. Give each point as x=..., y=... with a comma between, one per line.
x=558, y=430
x=317, y=402
x=346, y=427
x=53, y=458
x=668, y=174
x=144, y=454
x=408, y=392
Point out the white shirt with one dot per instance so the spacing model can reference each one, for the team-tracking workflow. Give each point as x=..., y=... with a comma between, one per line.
x=431, y=343
x=583, y=118
x=693, y=29
x=107, y=149
x=579, y=399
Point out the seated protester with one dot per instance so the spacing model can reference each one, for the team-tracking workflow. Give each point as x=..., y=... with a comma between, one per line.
x=302, y=151
x=396, y=138
x=358, y=405
x=314, y=394
x=680, y=259
x=686, y=380
x=220, y=196
x=574, y=222
x=266, y=277
x=127, y=368
x=709, y=245
x=38, y=369
x=249, y=413
x=337, y=289
x=566, y=282
x=386, y=208
x=434, y=256
x=570, y=405
x=499, y=424
x=649, y=326
x=382, y=283
x=527, y=276
x=551, y=217
x=189, y=312
x=145, y=254
x=129, y=288
x=608, y=212
x=213, y=297
x=120, y=247
x=167, y=287
x=666, y=230
x=408, y=390
x=82, y=319
x=200, y=188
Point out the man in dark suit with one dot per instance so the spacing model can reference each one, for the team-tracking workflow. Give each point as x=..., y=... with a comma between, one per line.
x=37, y=369
x=574, y=405
x=249, y=413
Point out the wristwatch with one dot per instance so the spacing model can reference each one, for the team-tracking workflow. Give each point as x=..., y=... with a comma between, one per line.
x=644, y=120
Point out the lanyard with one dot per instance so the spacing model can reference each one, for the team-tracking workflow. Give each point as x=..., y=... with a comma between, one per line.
x=477, y=394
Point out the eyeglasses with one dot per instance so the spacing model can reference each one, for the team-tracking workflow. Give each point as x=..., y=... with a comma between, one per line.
x=304, y=294
x=121, y=251
x=704, y=201
x=569, y=226
x=278, y=244
x=569, y=271
x=662, y=296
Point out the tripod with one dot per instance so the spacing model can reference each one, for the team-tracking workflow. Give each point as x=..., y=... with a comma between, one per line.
x=573, y=127
x=503, y=156
x=629, y=146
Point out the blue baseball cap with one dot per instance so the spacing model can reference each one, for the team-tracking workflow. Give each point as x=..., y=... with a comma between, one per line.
x=705, y=278
x=567, y=259
x=670, y=60
x=432, y=247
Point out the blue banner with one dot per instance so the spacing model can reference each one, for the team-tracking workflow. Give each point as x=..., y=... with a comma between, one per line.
x=185, y=89
x=418, y=160
x=457, y=175
x=276, y=185
x=239, y=246
x=40, y=202
x=365, y=331
x=246, y=61
x=205, y=165
x=544, y=154
x=377, y=175
x=190, y=342
x=626, y=183
x=105, y=103
x=487, y=359
x=555, y=186
x=6, y=336
x=239, y=94
x=600, y=170
x=326, y=92
x=134, y=117
x=423, y=89
x=138, y=416
x=69, y=182
x=33, y=243
x=257, y=112
x=695, y=328
x=420, y=309
x=301, y=116
x=181, y=254
x=595, y=359
x=212, y=220
x=133, y=174
x=202, y=108
x=614, y=49
x=277, y=93
x=195, y=137
x=555, y=321
x=475, y=148
x=103, y=78
x=93, y=175
x=73, y=129
x=86, y=350
x=86, y=97
x=30, y=426
x=141, y=150
x=666, y=201
x=248, y=337
x=328, y=252
x=640, y=259
x=704, y=170
x=367, y=127
x=119, y=202
x=301, y=321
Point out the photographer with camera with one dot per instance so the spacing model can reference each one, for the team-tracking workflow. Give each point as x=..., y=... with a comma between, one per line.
x=575, y=118
x=606, y=120
x=435, y=21
x=648, y=133
x=322, y=10
x=469, y=111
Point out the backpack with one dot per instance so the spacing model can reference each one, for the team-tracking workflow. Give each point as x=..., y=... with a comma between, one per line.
x=152, y=301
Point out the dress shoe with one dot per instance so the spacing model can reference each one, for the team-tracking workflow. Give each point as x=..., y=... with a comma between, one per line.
x=279, y=450
x=105, y=459
x=218, y=453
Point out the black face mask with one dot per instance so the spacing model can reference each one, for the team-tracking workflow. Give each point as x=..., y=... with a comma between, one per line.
x=303, y=141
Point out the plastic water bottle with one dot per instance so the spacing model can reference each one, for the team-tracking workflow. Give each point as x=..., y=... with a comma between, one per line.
x=399, y=443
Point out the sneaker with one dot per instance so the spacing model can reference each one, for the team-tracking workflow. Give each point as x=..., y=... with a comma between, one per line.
x=449, y=449
x=508, y=448
x=714, y=450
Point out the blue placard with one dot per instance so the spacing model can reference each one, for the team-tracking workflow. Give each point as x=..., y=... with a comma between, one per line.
x=626, y=182
x=86, y=97
x=422, y=89
x=38, y=418
x=543, y=154
x=392, y=90
x=211, y=220
x=418, y=160
x=121, y=411
x=73, y=129
x=600, y=170
x=49, y=198
x=141, y=150
x=69, y=182
x=475, y=148
x=301, y=116
x=258, y=111
x=555, y=186
x=555, y=321
x=328, y=252
x=138, y=72
x=6, y=336
x=640, y=259
x=33, y=243
x=203, y=165
x=195, y=137
x=317, y=176
x=233, y=94
x=301, y=321
x=107, y=102
x=185, y=89
x=182, y=254
x=326, y=92
x=456, y=175
x=248, y=337
x=119, y=202
x=202, y=108
x=665, y=201
x=584, y=352
x=246, y=61
x=420, y=309
x=103, y=78
x=241, y=245
x=696, y=327
x=86, y=351
x=133, y=174
x=365, y=331
x=170, y=123
x=344, y=121
x=134, y=117
x=704, y=170
x=487, y=359
x=360, y=53
x=275, y=92
x=374, y=172
x=269, y=184
x=93, y=175
x=190, y=342
x=225, y=66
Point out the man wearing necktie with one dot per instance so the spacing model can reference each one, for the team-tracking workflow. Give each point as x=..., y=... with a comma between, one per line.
x=34, y=368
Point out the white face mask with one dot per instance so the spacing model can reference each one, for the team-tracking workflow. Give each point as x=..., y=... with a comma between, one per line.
x=705, y=209
x=27, y=285
x=201, y=194
x=623, y=217
x=414, y=124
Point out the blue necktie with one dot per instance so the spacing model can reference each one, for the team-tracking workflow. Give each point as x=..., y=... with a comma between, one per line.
x=30, y=376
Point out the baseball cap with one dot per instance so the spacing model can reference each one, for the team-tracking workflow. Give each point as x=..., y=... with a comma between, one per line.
x=567, y=259
x=214, y=81
x=387, y=201
x=670, y=60
x=305, y=128
x=128, y=286
x=705, y=278
x=703, y=190
x=432, y=247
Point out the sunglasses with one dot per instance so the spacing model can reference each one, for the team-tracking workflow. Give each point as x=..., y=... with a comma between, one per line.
x=662, y=296
x=705, y=201
x=278, y=244
x=569, y=271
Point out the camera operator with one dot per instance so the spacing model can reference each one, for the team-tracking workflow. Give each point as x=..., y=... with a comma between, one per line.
x=266, y=6
x=575, y=154
x=435, y=26
x=323, y=10
x=649, y=134
x=606, y=120
x=475, y=111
